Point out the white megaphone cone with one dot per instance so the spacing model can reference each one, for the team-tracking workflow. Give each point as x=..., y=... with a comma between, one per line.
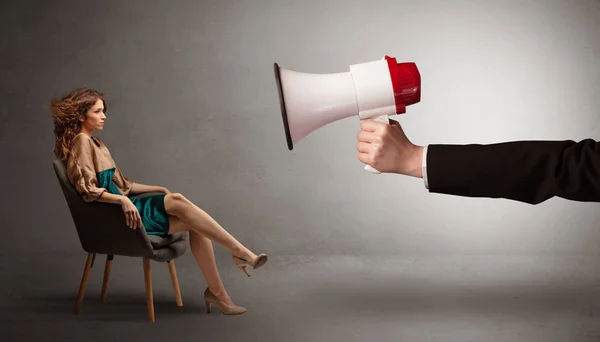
x=372, y=90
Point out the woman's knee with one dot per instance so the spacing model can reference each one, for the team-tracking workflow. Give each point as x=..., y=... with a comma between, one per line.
x=176, y=196
x=175, y=203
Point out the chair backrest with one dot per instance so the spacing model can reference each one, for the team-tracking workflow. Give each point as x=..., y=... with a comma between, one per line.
x=77, y=206
x=71, y=195
x=101, y=227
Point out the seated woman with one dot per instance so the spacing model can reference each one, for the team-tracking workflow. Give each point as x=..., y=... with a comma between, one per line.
x=94, y=174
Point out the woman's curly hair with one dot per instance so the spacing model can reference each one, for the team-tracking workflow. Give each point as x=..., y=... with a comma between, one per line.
x=66, y=113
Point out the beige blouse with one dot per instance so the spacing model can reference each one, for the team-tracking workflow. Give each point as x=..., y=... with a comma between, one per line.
x=92, y=170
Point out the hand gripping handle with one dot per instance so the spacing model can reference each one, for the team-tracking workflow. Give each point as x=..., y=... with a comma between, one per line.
x=383, y=119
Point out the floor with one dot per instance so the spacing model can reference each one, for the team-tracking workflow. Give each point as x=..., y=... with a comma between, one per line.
x=335, y=298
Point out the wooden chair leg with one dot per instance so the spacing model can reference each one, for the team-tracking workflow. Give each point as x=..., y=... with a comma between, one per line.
x=84, y=280
x=109, y=259
x=175, y=282
x=149, y=298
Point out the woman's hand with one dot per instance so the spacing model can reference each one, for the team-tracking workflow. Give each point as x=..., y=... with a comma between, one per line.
x=132, y=215
x=165, y=190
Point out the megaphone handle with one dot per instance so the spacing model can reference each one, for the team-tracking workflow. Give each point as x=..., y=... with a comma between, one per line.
x=383, y=119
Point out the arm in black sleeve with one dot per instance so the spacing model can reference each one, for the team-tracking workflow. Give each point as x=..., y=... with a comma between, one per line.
x=526, y=171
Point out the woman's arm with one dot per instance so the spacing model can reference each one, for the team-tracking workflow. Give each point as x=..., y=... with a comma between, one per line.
x=137, y=188
x=132, y=215
x=107, y=197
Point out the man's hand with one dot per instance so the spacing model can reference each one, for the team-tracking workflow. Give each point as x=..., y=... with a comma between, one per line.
x=387, y=149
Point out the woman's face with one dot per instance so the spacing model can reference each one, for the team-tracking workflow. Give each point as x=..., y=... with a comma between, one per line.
x=94, y=117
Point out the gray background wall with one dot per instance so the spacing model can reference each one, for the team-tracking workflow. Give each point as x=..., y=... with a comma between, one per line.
x=193, y=106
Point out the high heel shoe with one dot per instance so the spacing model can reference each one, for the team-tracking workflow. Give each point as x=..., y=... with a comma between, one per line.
x=226, y=309
x=254, y=263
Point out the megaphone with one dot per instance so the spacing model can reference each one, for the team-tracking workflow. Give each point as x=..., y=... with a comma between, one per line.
x=372, y=90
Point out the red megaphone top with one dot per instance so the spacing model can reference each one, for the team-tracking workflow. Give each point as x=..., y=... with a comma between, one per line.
x=406, y=82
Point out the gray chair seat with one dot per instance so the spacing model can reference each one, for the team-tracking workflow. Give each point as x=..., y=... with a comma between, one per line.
x=168, y=247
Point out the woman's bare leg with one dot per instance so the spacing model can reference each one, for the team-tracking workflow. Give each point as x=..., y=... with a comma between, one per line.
x=199, y=221
x=203, y=252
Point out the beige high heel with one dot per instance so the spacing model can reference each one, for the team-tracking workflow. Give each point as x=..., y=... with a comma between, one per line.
x=210, y=298
x=254, y=263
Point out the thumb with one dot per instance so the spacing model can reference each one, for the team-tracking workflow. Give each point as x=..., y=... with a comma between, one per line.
x=394, y=123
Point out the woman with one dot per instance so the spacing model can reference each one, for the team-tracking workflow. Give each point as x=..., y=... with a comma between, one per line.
x=96, y=177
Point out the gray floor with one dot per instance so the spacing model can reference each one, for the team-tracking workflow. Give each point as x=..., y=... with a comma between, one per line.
x=412, y=298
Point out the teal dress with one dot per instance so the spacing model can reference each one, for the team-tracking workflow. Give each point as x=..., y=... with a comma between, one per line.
x=152, y=208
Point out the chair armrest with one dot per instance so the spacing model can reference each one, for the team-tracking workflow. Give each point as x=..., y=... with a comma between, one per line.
x=102, y=229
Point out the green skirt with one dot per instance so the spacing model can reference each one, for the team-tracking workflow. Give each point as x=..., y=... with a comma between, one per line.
x=152, y=211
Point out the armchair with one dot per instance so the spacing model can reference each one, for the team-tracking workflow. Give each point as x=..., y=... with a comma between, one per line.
x=101, y=229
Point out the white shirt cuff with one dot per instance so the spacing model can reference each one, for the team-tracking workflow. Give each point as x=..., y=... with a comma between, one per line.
x=424, y=167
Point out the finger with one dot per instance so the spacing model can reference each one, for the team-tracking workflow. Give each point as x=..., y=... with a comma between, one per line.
x=365, y=136
x=132, y=219
x=127, y=219
x=364, y=158
x=364, y=147
x=130, y=215
x=139, y=220
x=370, y=125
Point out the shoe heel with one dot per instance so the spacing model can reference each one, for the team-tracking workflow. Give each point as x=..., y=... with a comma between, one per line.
x=243, y=269
x=207, y=306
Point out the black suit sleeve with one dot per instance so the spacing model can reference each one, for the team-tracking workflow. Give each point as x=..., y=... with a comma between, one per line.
x=526, y=171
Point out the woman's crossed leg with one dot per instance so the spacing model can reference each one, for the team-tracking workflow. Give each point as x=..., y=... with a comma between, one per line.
x=186, y=216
